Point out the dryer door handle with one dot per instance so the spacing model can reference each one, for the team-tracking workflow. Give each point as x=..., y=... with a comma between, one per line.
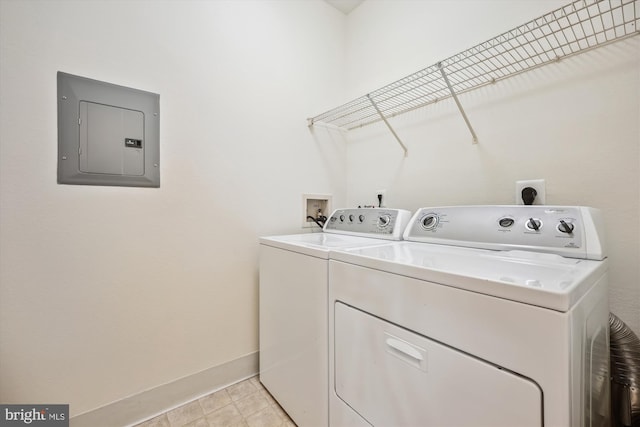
x=408, y=352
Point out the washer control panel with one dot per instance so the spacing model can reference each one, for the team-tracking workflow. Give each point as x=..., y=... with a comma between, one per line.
x=369, y=222
x=573, y=231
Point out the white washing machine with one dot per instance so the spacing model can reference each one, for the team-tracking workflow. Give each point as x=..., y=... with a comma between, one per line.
x=294, y=306
x=484, y=316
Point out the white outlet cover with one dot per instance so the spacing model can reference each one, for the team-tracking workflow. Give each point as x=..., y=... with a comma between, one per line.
x=539, y=186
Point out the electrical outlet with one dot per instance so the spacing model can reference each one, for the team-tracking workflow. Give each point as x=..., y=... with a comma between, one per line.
x=380, y=196
x=314, y=205
x=536, y=184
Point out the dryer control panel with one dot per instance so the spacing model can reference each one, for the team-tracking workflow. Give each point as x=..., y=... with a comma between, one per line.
x=381, y=223
x=572, y=231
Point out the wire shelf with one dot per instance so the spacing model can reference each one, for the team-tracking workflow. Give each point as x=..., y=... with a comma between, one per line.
x=577, y=27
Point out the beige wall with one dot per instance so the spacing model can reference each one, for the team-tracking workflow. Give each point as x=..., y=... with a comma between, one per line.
x=574, y=123
x=106, y=291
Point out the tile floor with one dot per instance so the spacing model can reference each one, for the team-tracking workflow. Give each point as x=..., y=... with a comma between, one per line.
x=245, y=404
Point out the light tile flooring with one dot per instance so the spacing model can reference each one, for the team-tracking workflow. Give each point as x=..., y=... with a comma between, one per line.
x=245, y=404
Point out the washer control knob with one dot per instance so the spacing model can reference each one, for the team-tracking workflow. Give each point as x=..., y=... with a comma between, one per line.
x=384, y=221
x=361, y=218
x=341, y=218
x=565, y=227
x=429, y=221
x=533, y=224
x=351, y=217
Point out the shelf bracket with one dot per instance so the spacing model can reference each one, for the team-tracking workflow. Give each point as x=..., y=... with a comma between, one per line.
x=384, y=119
x=455, y=98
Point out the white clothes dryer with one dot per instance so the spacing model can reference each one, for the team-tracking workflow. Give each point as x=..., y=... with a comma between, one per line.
x=294, y=306
x=484, y=316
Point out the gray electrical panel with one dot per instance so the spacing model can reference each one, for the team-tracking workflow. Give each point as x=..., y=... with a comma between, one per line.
x=107, y=134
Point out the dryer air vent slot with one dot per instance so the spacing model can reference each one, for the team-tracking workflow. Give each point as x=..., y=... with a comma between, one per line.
x=625, y=374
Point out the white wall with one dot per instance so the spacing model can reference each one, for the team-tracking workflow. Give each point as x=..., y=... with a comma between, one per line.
x=108, y=291
x=574, y=123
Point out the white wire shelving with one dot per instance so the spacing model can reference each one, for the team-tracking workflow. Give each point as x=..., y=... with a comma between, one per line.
x=572, y=29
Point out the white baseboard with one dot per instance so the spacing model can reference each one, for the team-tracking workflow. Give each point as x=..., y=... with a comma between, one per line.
x=148, y=404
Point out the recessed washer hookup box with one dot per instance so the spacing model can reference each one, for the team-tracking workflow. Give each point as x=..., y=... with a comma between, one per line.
x=107, y=134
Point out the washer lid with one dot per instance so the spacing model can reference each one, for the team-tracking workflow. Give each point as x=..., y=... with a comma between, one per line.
x=318, y=244
x=545, y=280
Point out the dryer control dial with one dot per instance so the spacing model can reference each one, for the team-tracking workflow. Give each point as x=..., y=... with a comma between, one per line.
x=565, y=227
x=506, y=222
x=429, y=221
x=533, y=224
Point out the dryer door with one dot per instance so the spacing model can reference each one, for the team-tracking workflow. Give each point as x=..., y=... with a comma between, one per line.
x=393, y=377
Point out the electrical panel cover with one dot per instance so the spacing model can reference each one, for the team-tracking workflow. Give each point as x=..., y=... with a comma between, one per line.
x=107, y=134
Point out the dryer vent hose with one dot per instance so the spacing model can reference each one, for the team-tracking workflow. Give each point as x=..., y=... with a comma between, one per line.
x=625, y=374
